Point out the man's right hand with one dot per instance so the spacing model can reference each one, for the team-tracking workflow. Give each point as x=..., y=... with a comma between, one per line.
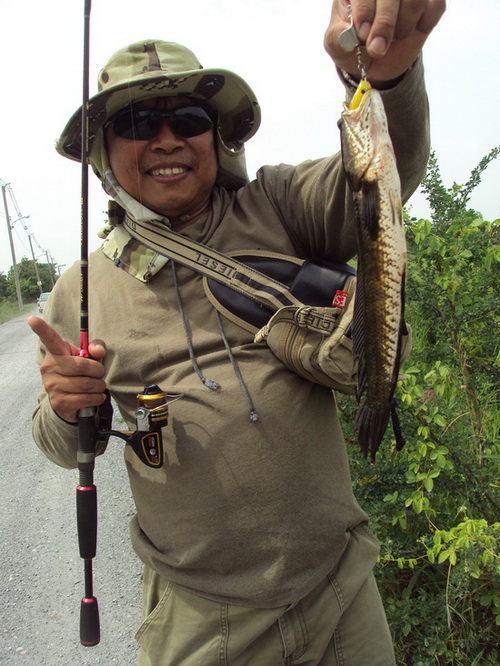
x=72, y=382
x=394, y=31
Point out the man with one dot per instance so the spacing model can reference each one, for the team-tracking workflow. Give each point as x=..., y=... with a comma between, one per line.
x=254, y=547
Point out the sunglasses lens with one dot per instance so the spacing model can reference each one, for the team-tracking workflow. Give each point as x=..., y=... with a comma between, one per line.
x=137, y=124
x=190, y=121
x=144, y=124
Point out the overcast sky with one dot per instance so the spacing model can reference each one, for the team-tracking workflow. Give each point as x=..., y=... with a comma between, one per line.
x=276, y=45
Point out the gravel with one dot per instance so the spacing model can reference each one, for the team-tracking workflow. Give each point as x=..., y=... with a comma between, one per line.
x=42, y=573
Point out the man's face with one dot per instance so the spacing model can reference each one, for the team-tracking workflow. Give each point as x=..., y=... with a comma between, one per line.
x=169, y=174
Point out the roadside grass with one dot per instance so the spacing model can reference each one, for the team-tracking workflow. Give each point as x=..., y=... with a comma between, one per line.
x=10, y=309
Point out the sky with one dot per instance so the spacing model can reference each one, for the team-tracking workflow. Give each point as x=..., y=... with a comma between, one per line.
x=275, y=45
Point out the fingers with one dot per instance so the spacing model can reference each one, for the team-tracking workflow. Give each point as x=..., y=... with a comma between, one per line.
x=72, y=367
x=72, y=382
x=376, y=23
x=393, y=31
x=97, y=349
x=56, y=346
x=50, y=338
x=72, y=385
x=380, y=22
x=410, y=13
x=431, y=17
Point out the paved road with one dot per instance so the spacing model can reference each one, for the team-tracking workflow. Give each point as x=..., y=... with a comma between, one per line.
x=41, y=573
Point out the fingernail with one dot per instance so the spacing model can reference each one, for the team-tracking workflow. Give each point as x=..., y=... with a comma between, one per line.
x=378, y=46
x=364, y=31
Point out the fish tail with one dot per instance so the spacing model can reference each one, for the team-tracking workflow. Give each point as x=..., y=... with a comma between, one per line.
x=371, y=424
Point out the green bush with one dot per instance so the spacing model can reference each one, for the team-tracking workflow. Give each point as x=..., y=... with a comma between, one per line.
x=434, y=505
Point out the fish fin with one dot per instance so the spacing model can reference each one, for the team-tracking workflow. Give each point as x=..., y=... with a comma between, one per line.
x=371, y=424
x=396, y=425
x=358, y=335
x=403, y=330
x=371, y=207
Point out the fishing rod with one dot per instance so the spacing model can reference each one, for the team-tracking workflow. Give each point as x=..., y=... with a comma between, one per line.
x=151, y=414
x=86, y=492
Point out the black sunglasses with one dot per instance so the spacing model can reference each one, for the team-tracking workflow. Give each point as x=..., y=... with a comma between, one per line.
x=143, y=124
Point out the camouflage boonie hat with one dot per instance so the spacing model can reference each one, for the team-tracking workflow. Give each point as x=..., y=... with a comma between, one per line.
x=154, y=68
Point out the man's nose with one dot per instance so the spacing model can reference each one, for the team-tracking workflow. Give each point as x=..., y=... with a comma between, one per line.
x=165, y=138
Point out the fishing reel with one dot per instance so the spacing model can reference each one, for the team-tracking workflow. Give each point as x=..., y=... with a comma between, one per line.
x=151, y=416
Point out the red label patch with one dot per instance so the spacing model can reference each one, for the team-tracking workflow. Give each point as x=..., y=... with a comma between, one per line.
x=340, y=299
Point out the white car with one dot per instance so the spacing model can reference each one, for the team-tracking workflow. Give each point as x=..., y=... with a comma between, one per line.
x=42, y=300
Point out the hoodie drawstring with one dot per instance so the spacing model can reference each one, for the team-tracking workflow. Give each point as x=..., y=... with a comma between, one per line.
x=237, y=371
x=211, y=383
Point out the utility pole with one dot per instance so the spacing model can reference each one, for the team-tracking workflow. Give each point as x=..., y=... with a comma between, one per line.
x=35, y=264
x=50, y=261
x=14, y=263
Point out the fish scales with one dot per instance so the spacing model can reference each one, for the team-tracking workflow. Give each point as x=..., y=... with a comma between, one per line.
x=370, y=166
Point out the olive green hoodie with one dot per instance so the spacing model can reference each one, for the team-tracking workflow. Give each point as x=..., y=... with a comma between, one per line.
x=247, y=512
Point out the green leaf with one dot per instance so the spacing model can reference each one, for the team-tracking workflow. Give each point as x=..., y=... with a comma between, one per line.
x=478, y=222
x=418, y=505
x=443, y=556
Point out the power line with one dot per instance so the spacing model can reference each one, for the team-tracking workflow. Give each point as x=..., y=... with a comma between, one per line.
x=6, y=188
x=14, y=263
x=21, y=218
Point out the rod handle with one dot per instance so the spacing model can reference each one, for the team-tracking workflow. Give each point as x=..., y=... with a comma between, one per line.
x=90, y=631
x=86, y=518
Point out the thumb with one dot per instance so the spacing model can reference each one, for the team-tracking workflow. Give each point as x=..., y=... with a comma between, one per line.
x=97, y=349
x=51, y=339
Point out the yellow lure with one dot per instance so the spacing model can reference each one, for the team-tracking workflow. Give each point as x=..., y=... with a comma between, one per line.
x=362, y=88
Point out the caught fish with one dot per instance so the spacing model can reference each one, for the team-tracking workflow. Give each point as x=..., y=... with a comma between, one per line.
x=378, y=321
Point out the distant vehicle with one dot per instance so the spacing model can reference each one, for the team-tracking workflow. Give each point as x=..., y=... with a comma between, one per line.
x=42, y=300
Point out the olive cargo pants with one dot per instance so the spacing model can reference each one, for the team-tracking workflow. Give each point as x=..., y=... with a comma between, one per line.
x=341, y=622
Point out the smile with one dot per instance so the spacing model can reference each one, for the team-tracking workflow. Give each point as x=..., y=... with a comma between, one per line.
x=174, y=171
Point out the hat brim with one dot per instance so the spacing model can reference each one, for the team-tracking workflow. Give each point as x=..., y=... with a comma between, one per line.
x=229, y=94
